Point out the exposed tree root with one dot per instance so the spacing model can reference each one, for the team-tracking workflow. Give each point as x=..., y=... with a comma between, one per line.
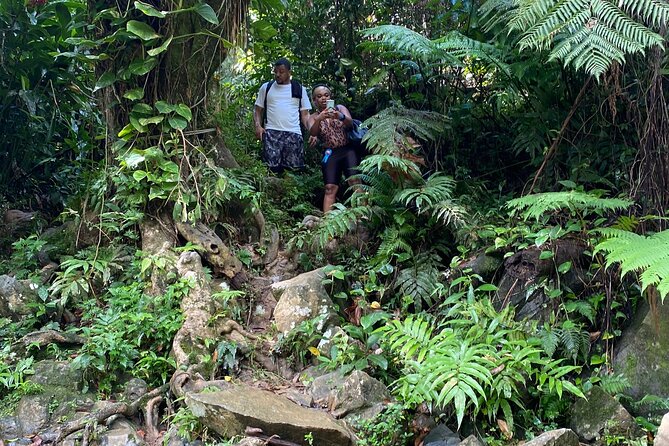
x=108, y=410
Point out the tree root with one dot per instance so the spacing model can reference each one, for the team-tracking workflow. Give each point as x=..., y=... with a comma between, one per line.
x=268, y=439
x=110, y=409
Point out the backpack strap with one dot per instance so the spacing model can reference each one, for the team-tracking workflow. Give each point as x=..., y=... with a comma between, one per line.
x=295, y=92
x=264, y=111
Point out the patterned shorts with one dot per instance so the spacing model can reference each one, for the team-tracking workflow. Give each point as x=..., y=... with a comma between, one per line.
x=283, y=150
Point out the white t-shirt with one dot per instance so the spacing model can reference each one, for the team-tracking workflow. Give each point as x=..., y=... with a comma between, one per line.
x=282, y=108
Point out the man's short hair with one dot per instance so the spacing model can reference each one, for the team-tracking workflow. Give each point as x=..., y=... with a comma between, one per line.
x=283, y=61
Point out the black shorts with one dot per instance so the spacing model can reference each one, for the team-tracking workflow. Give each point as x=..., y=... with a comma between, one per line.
x=283, y=150
x=343, y=160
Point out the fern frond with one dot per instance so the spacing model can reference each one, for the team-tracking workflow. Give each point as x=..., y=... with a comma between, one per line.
x=392, y=243
x=435, y=189
x=410, y=339
x=374, y=164
x=450, y=213
x=387, y=129
x=534, y=206
x=401, y=39
x=419, y=282
x=340, y=221
x=615, y=384
x=582, y=307
x=589, y=34
x=637, y=253
x=550, y=339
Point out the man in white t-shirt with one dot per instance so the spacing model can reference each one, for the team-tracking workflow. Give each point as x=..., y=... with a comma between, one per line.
x=285, y=106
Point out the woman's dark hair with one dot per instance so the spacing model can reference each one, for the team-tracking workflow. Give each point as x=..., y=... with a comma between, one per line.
x=313, y=90
x=283, y=61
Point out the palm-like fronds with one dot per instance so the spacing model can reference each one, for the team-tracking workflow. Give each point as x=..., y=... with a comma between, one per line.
x=451, y=48
x=340, y=221
x=419, y=280
x=588, y=34
x=648, y=255
x=388, y=128
x=535, y=205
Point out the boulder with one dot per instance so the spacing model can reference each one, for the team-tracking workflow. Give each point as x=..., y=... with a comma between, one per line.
x=15, y=297
x=598, y=412
x=321, y=387
x=228, y=412
x=558, y=437
x=120, y=433
x=471, y=441
x=301, y=298
x=32, y=413
x=643, y=353
x=662, y=437
x=441, y=436
x=57, y=373
x=361, y=396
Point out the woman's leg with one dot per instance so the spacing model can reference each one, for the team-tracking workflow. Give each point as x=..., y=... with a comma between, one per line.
x=330, y=196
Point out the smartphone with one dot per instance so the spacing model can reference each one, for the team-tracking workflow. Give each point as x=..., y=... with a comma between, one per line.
x=329, y=103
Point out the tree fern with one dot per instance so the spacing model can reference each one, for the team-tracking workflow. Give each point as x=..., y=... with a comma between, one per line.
x=588, y=34
x=648, y=255
x=536, y=205
x=451, y=48
x=388, y=129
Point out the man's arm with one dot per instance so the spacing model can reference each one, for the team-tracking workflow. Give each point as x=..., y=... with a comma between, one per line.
x=257, y=119
x=304, y=117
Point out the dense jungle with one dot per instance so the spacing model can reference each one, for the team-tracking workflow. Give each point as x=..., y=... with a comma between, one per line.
x=497, y=276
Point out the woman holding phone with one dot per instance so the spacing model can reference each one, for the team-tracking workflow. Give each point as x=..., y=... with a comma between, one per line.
x=329, y=124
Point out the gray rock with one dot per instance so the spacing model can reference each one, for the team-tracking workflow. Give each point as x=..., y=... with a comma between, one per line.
x=301, y=298
x=230, y=411
x=298, y=397
x=250, y=441
x=121, y=433
x=471, y=441
x=558, y=437
x=15, y=296
x=325, y=344
x=9, y=428
x=590, y=417
x=322, y=387
x=361, y=396
x=32, y=413
x=441, y=436
x=643, y=353
x=662, y=437
x=135, y=389
x=57, y=373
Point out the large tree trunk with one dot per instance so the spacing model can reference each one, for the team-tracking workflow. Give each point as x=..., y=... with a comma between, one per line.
x=650, y=171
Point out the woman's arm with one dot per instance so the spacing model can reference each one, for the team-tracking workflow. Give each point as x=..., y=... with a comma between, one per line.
x=345, y=116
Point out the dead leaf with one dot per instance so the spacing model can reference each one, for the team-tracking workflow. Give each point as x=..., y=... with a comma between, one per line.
x=504, y=427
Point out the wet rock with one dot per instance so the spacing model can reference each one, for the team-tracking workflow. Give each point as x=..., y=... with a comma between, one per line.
x=121, y=433
x=441, y=436
x=135, y=389
x=643, y=353
x=57, y=373
x=322, y=387
x=32, y=413
x=558, y=437
x=590, y=417
x=361, y=396
x=15, y=297
x=662, y=437
x=230, y=411
x=301, y=298
x=471, y=441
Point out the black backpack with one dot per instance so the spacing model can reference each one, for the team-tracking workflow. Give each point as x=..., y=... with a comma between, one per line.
x=295, y=91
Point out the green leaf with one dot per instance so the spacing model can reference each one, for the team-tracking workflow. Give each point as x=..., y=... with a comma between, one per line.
x=564, y=267
x=105, y=80
x=134, y=94
x=140, y=67
x=151, y=120
x=164, y=107
x=139, y=175
x=177, y=122
x=161, y=48
x=263, y=30
x=184, y=111
x=546, y=255
x=142, y=109
x=142, y=30
x=206, y=12
x=149, y=10
x=379, y=361
x=133, y=159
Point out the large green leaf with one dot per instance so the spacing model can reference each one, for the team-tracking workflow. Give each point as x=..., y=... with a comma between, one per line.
x=149, y=10
x=105, y=80
x=206, y=12
x=161, y=48
x=142, y=30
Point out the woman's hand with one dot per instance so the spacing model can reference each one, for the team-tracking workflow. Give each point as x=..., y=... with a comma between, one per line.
x=328, y=113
